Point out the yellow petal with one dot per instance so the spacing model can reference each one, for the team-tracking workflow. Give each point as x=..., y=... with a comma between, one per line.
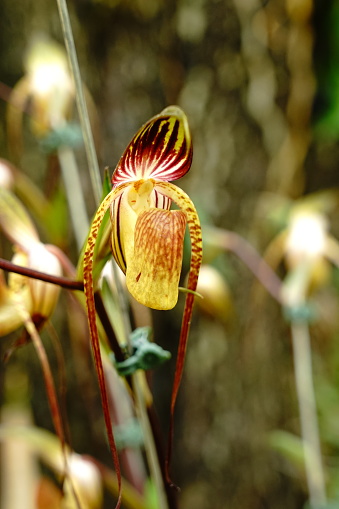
x=51, y=87
x=38, y=298
x=87, y=270
x=124, y=211
x=10, y=314
x=183, y=201
x=13, y=297
x=153, y=270
x=15, y=221
x=44, y=295
x=217, y=300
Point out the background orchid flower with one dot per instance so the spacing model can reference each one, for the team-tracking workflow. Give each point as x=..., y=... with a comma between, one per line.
x=47, y=85
x=147, y=237
x=37, y=297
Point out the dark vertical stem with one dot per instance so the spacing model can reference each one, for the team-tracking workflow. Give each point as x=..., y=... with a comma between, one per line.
x=171, y=494
x=159, y=443
x=111, y=337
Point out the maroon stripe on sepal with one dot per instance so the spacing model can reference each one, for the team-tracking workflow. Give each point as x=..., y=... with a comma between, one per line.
x=161, y=149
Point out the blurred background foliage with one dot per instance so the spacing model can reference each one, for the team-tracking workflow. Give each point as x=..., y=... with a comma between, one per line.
x=258, y=81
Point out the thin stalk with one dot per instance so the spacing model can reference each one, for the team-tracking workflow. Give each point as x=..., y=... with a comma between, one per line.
x=76, y=203
x=308, y=415
x=111, y=337
x=64, y=282
x=141, y=406
x=50, y=390
x=231, y=241
x=81, y=102
x=96, y=184
x=255, y=263
x=19, y=479
x=49, y=381
x=123, y=305
x=150, y=447
x=294, y=292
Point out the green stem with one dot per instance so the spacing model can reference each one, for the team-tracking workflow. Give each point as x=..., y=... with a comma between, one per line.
x=141, y=406
x=96, y=184
x=308, y=415
x=150, y=447
x=81, y=103
x=76, y=203
x=294, y=292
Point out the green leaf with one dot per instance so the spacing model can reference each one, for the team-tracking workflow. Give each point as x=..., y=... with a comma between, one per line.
x=288, y=445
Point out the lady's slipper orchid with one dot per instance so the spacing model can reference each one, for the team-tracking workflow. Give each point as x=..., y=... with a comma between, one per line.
x=36, y=297
x=47, y=85
x=147, y=237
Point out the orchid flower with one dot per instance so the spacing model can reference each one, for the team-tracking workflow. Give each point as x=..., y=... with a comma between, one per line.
x=147, y=237
x=48, y=87
x=36, y=297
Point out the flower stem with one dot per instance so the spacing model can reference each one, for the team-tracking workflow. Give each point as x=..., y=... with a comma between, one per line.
x=294, y=295
x=75, y=199
x=64, y=282
x=141, y=408
x=150, y=447
x=308, y=415
x=80, y=98
x=231, y=241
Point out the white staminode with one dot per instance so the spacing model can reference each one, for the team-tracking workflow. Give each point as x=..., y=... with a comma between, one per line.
x=307, y=236
x=48, y=77
x=46, y=64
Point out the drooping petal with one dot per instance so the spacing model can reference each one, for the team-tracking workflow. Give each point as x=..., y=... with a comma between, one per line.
x=184, y=202
x=91, y=313
x=161, y=149
x=15, y=221
x=153, y=270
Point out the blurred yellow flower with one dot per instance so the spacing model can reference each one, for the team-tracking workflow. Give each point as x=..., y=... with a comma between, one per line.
x=35, y=297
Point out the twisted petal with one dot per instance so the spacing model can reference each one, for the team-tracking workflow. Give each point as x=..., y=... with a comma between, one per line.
x=153, y=271
x=161, y=149
x=186, y=205
x=91, y=313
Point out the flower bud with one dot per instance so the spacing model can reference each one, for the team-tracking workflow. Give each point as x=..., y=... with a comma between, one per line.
x=305, y=251
x=10, y=315
x=50, y=85
x=44, y=295
x=216, y=301
x=85, y=480
x=82, y=486
x=39, y=297
x=6, y=175
x=15, y=221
